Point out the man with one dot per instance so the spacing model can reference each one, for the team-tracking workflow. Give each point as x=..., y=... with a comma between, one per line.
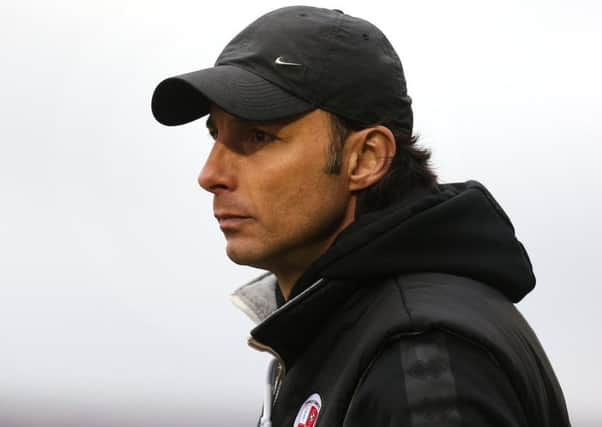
x=389, y=297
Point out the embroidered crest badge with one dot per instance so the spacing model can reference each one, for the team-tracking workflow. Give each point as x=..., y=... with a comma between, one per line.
x=308, y=414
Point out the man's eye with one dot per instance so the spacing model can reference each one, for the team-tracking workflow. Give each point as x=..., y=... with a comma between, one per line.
x=213, y=133
x=261, y=136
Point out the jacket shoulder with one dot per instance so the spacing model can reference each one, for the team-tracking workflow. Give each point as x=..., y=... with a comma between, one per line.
x=482, y=315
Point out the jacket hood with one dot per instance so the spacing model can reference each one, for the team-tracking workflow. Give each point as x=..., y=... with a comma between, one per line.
x=457, y=229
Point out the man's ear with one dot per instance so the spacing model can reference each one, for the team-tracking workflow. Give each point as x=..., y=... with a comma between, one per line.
x=372, y=152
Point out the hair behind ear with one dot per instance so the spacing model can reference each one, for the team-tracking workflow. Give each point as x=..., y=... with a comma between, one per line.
x=410, y=167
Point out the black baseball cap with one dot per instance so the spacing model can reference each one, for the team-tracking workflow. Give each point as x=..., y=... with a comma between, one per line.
x=290, y=61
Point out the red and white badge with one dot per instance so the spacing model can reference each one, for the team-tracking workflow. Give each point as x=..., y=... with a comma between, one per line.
x=308, y=414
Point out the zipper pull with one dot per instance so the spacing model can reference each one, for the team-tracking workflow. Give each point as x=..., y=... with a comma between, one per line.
x=270, y=386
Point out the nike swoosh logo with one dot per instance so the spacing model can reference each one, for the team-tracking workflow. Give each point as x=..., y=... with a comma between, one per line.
x=280, y=61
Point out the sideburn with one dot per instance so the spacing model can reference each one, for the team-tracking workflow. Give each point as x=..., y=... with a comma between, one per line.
x=334, y=158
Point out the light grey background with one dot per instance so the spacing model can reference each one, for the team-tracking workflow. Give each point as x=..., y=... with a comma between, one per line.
x=114, y=284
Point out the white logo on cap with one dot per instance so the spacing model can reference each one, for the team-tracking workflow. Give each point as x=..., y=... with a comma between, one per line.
x=280, y=61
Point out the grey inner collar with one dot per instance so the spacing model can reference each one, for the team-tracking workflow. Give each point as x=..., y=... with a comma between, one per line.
x=257, y=299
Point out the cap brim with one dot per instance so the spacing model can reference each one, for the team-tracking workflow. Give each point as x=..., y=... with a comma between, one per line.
x=187, y=97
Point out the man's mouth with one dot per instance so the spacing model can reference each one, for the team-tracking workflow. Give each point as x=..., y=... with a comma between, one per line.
x=230, y=220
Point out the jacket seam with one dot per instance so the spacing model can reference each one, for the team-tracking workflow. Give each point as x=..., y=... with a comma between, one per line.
x=403, y=298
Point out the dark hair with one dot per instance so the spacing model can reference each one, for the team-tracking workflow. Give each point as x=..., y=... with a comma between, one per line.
x=410, y=167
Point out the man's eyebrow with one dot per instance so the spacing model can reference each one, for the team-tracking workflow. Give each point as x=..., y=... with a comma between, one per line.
x=211, y=124
x=280, y=122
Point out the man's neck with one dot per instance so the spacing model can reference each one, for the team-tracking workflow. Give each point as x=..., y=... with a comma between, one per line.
x=290, y=272
x=288, y=277
x=286, y=284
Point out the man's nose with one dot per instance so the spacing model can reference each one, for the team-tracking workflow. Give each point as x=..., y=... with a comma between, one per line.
x=216, y=175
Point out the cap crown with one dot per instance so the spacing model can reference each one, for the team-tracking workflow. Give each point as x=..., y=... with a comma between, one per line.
x=337, y=62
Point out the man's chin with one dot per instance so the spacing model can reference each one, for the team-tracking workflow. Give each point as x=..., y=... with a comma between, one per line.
x=244, y=256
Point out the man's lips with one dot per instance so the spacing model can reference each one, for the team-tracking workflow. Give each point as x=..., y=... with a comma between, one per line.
x=230, y=220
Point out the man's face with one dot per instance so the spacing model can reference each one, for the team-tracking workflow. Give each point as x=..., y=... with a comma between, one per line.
x=275, y=203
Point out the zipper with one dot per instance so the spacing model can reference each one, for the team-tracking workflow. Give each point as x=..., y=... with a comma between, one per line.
x=253, y=343
x=277, y=384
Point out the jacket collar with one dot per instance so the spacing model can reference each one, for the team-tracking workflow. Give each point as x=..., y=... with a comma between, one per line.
x=288, y=330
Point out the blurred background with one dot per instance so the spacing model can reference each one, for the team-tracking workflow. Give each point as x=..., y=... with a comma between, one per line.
x=114, y=285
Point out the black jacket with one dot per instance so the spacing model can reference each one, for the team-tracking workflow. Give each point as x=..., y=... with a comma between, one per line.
x=408, y=320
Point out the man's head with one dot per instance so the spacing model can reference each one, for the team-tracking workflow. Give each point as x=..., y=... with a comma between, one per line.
x=308, y=108
x=275, y=200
